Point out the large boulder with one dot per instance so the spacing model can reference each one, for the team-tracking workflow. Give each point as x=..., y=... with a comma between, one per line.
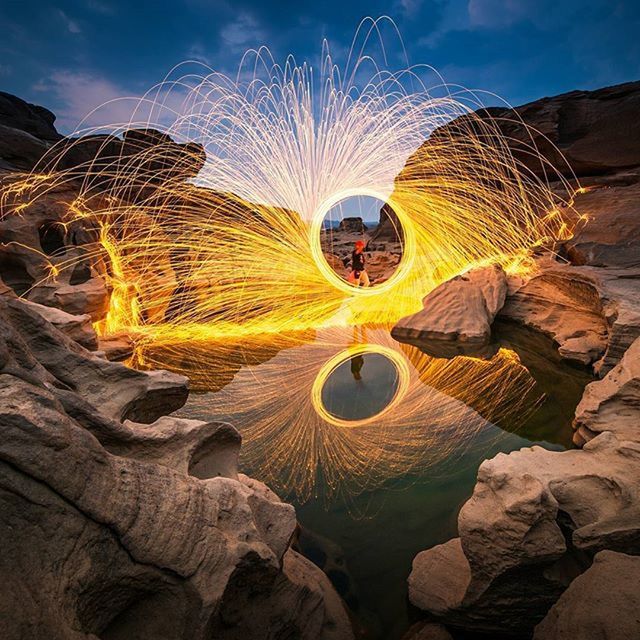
x=33, y=119
x=77, y=327
x=564, y=304
x=601, y=603
x=19, y=150
x=352, y=225
x=457, y=315
x=613, y=403
x=593, y=314
x=533, y=522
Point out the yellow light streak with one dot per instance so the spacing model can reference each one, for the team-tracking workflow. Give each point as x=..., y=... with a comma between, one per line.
x=236, y=251
x=270, y=386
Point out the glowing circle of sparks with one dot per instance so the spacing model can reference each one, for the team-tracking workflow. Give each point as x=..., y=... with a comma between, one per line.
x=235, y=249
x=409, y=249
x=399, y=362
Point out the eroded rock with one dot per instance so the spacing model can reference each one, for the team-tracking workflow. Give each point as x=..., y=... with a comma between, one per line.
x=613, y=403
x=124, y=530
x=457, y=314
x=531, y=526
x=601, y=603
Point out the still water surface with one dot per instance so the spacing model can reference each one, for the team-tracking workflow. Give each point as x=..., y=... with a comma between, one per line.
x=375, y=443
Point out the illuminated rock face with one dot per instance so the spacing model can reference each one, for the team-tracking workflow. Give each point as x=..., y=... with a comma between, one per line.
x=458, y=314
x=53, y=261
x=143, y=531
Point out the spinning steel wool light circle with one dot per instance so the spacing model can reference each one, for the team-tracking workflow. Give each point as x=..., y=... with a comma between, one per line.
x=235, y=250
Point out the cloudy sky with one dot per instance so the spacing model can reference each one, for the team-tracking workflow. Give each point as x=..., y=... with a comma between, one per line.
x=74, y=55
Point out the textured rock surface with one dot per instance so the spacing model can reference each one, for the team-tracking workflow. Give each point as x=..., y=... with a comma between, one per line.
x=613, y=403
x=611, y=236
x=602, y=603
x=530, y=527
x=51, y=259
x=593, y=314
x=592, y=132
x=78, y=328
x=458, y=312
x=565, y=304
x=33, y=119
x=124, y=530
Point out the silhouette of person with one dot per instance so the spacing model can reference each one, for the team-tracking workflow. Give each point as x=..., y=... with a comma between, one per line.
x=356, y=366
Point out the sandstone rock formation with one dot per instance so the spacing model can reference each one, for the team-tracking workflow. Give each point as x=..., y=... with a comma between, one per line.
x=533, y=522
x=602, y=603
x=539, y=519
x=352, y=225
x=118, y=529
x=613, y=403
x=592, y=313
x=457, y=315
x=611, y=235
x=52, y=259
x=23, y=116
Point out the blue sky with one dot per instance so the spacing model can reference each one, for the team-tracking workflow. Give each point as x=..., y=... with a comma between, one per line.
x=73, y=55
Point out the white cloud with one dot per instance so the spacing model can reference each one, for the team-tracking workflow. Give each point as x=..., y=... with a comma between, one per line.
x=101, y=7
x=242, y=33
x=89, y=101
x=72, y=25
x=409, y=7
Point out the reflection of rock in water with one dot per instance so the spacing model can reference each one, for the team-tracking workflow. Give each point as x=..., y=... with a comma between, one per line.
x=211, y=366
x=287, y=443
x=327, y=555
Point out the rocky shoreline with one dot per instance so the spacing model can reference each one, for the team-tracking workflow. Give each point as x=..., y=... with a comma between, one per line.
x=549, y=539
x=119, y=520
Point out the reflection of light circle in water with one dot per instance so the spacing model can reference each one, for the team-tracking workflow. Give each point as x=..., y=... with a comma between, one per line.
x=359, y=385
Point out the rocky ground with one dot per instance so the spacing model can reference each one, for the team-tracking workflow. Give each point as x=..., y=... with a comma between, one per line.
x=548, y=543
x=382, y=255
x=119, y=521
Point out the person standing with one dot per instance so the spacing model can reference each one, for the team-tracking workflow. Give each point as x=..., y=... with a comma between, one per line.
x=358, y=275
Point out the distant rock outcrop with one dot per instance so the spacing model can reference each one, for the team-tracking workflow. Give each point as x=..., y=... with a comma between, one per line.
x=352, y=225
x=29, y=140
x=33, y=119
x=580, y=133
